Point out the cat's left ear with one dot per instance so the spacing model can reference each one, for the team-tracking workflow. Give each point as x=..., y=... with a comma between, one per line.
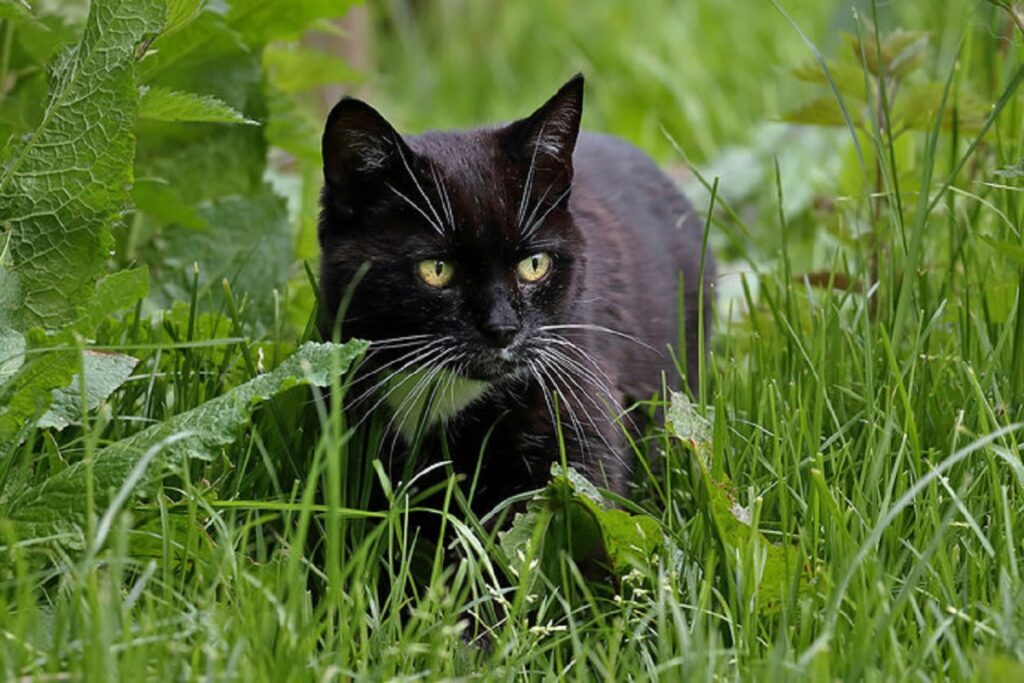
x=547, y=138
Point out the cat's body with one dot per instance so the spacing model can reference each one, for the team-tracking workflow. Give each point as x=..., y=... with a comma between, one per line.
x=526, y=278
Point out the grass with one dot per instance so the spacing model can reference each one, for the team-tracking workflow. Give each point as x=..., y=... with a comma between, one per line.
x=872, y=424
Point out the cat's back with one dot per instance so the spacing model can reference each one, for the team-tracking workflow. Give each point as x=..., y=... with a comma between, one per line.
x=641, y=234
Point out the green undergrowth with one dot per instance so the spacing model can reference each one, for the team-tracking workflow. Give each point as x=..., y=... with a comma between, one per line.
x=182, y=497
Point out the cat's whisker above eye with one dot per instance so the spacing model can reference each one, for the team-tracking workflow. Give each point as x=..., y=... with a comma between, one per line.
x=528, y=184
x=534, y=225
x=446, y=202
x=435, y=224
x=439, y=224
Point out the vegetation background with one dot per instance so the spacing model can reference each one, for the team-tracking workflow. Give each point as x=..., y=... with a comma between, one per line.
x=842, y=499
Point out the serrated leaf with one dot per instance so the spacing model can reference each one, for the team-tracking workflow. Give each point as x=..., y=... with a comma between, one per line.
x=248, y=242
x=12, y=353
x=821, y=111
x=163, y=104
x=180, y=13
x=58, y=503
x=295, y=69
x=777, y=565
x=848, y=78
x=571, y=516
x=160, y=200
x=65, y=185
x=261, y=21
x=919, y=104
x=113, y=293
x=104, y=372
x=685, y=422
x=1013, y=171
x=27, y=394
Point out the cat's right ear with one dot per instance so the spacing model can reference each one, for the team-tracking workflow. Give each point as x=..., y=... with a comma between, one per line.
x=360, y=149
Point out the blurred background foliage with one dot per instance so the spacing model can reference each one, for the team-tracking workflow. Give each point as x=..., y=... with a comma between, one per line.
x=729, y=88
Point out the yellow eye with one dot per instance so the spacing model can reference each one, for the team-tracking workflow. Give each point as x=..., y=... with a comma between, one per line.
x=435, y=272
x=533, y=268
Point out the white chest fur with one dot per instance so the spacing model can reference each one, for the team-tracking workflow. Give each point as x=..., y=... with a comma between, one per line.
x=419, y=398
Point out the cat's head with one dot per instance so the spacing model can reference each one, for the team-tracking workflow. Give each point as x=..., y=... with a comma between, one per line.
x=458, y=243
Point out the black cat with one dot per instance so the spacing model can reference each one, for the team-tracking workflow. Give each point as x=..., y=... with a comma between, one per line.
x=520, y=281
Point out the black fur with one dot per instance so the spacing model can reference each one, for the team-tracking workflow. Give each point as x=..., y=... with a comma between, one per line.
x=619, y=234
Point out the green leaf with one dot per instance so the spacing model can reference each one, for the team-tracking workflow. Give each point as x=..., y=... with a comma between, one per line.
x=571, y=516
x=104, y=372
x=113, y=293
x=685, y=422
x=58, y=503
x=1012, y=171
x=1014, y=252
x=164, y=104
x=919, y=104
x=261, y=21
x=28, y=393
x=12, y=353
x=848, y=78
x=821, y=111
x=181, y=13
x=294, y=69
x=159, y=199
x=248, y=241
x=774, y=566
x=65, y=185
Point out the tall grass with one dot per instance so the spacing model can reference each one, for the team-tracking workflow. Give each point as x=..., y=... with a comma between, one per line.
x=871, y=421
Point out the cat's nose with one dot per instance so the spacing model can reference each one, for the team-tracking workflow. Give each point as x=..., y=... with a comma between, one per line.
x=500, y=333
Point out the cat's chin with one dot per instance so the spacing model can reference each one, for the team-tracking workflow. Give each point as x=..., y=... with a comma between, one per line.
x=496, y=365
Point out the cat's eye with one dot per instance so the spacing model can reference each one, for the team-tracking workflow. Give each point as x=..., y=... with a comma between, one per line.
x=533, y=268
x=435, y=272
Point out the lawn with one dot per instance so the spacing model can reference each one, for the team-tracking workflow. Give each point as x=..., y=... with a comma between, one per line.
x=182, y=496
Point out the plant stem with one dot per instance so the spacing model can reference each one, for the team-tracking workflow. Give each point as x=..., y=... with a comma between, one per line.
x=5, y=55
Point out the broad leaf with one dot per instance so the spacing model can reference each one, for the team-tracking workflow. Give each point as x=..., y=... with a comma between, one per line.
x=261, y=21
x=58, y=503
x=248, y=242
x=295, y=69
x=64, y=186
x=113, y=293
x=104, y=372
x=776, y=565
x=570, y=516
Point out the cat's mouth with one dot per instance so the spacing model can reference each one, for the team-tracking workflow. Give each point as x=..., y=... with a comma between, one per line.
x=495, y=364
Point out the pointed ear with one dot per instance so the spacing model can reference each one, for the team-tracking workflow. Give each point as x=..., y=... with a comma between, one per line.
x=547, y=137
x=360, y=148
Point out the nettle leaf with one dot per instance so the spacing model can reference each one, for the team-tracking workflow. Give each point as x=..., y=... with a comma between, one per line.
x=63, y=187
x=113, y=293
x=294, y=69
x=104, y=373
x=1013, y=171
x=248, y=242
x=57, y=504
x=571, y=517
x=776, y=567
x=261, y=21
x=918, y=105
x=848, y=78
x=163, y=104
x=821, y=111
x=32, y=383
x=28, y=392
x=181, y=13
x=157, y=198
